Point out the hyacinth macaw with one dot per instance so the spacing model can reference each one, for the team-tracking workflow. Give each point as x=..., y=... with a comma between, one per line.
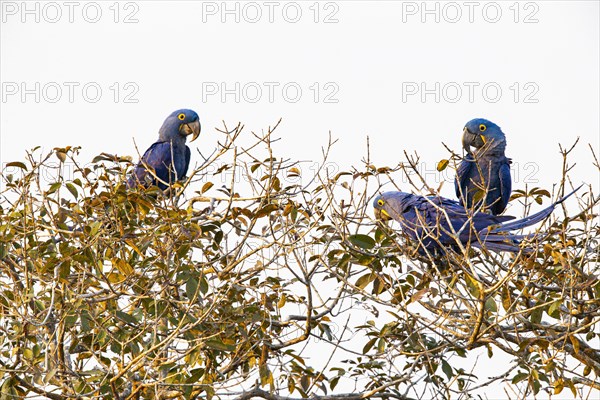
x=167, y=160
x=486, y=169
x=432, y=220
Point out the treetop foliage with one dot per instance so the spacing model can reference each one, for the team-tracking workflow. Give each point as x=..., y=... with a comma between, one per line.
x=257, y=277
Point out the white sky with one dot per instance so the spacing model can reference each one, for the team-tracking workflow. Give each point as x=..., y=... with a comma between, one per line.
x=172, y=57
x=367, y=54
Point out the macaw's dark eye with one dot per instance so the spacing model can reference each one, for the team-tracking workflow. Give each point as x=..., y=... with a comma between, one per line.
x=380, y=202
x=482, y=127
x=181, y=116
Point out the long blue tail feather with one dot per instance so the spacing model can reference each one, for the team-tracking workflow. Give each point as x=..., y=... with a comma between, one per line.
x=531, y=219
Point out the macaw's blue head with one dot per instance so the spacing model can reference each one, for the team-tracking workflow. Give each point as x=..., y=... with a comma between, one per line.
x=480, y=132
x=179, y=125
x=390, y=205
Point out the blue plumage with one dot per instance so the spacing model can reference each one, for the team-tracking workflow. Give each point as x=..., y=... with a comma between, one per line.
x=432, y=220
x=167, y=160
x=486, y=169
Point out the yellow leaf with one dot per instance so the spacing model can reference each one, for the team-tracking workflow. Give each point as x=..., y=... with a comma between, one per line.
x=442, y=165
x=134, y=247
x=281, y=301
x=575, y=343
x=122, y=266
x=417, y=296
x=62, y=156
x=206, y=187
x=114, y=277
x=288, y=208
x=473, y=286
x=266, y=210
x=506, y=300
x=293, y=171
x=558, y=386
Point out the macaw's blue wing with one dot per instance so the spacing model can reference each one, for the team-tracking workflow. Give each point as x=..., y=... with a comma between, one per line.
x=505, y=188
x=449, y=216
x=483, y=177
x=491, y=175
x=188, y=157
x=463, y=172
x=167, y=160
x=437, y=223
x=154, y=167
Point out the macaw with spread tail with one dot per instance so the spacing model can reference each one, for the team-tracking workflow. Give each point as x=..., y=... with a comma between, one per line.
x=437, y=222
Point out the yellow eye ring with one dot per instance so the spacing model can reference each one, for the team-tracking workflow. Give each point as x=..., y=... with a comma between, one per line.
x=380, y=202
x=482, y=127
x=181, y=116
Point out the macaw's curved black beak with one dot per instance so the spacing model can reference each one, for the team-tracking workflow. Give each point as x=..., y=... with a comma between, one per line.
x=192, y=128
x=382, y=215
x=470, y=139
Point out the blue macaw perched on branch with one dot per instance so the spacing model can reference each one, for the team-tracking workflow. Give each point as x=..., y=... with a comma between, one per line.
x=486, y=169
x=436, y=222
x=167, y=160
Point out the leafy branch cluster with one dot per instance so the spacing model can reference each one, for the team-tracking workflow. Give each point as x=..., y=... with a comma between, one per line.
x=254, y=280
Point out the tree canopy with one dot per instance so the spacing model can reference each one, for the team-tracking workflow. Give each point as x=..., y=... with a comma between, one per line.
x=260, y=276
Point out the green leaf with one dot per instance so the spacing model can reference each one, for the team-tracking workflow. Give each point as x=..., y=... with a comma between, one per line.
x=72, y=189
x=536, y=386
x=195, y=375
x=126, y=317
x=203, y=285
x=519, y=377
x=364, y=280
x=333, y=382
x=369, y=345
x=490, y=305
x=53, y=188
x=478, y=196
x=536, y=315
x=282, y=301
x=554, y=309
x=100, y=157
x=381, y=345
x=191, y=287
x=217, y=344
x=305, y=382
x=447, y=369
x=379, y=235
x=94, y=227
x=28, y=354
x=362, y=241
